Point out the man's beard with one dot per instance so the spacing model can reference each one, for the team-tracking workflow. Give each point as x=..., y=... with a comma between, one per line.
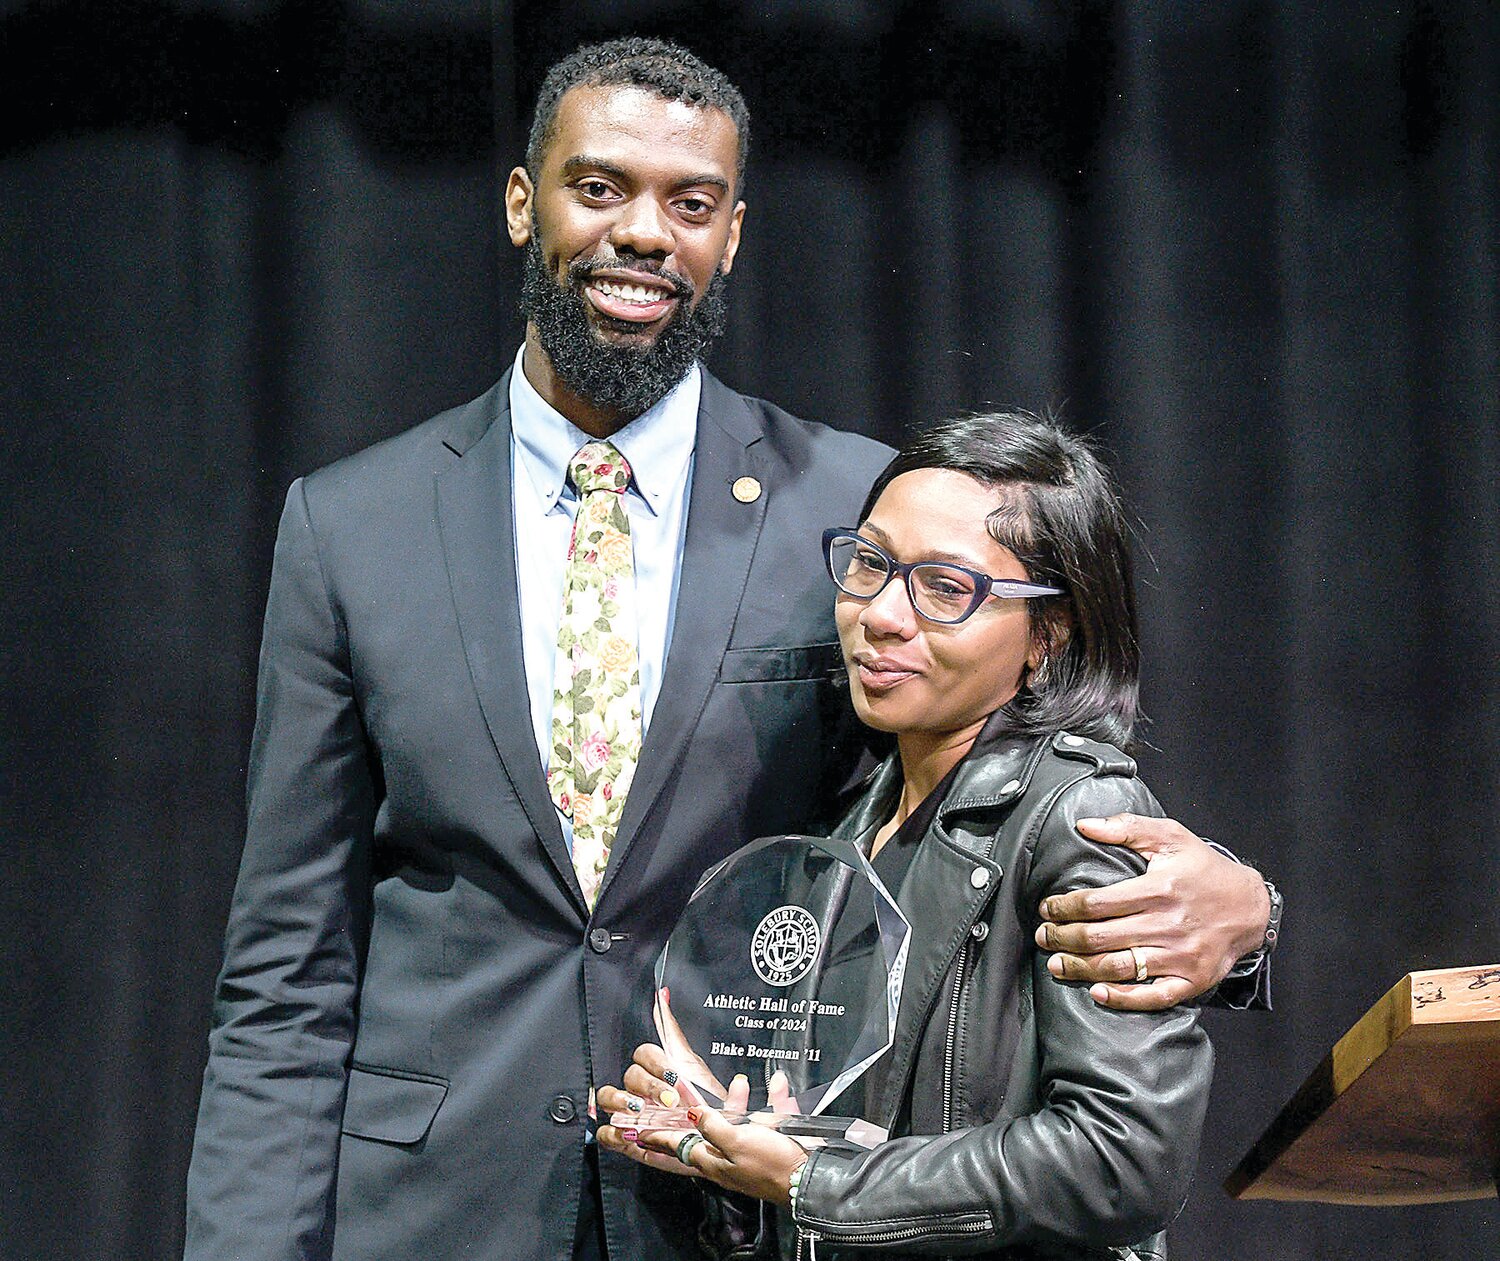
x=622, y=378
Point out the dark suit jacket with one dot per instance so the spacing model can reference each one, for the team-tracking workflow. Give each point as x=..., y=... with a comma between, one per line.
x=414, y=998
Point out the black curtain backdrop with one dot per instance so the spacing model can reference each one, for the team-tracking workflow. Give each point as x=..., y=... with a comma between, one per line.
x=1251, y=246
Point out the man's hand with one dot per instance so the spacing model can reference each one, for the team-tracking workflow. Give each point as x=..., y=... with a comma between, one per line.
x=1190, y=916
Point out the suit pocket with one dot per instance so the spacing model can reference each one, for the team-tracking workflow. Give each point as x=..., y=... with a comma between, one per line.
x=391, y=1106
x=780, y=665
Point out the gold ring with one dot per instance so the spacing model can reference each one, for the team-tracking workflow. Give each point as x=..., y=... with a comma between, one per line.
x=1140, y=963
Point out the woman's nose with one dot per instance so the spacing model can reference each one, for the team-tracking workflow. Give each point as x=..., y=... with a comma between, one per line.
x=890, y=611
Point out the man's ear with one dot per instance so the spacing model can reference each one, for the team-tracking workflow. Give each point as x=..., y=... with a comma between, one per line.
x=726, y=262
x=518, y=197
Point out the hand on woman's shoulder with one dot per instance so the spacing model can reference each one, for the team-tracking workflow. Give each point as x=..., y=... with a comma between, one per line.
x=1087, y=779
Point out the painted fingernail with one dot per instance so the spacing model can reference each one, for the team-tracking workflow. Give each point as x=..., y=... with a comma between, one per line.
x=630, y=1136
x=669, y=1098
x=633, y=1104
x=695, y=1115
x=670, y=1077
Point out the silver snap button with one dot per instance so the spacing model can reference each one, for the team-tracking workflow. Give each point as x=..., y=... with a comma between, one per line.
x=979, y=877
x=1075, y=741
x=980, y=931
x=1010, y=786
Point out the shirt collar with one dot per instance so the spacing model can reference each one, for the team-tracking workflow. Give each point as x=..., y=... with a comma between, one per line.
x=657, y=444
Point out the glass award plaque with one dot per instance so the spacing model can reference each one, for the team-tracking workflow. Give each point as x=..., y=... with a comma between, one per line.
x=787, y=959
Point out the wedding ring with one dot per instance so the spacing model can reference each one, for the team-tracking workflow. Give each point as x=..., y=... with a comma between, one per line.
x=686, y=1144
x=1140, y=963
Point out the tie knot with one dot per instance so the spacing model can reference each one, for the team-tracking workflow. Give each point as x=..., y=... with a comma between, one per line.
x=598, y=466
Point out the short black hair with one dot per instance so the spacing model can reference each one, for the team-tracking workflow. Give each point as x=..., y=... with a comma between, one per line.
x=1061, y=516
x=667, y=69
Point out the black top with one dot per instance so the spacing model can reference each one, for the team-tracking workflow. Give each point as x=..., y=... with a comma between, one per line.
x=896, y=854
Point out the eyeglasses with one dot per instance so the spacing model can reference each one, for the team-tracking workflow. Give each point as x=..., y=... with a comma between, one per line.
x=940, y=592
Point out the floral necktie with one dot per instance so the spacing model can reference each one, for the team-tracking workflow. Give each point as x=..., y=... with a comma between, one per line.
x=596, y=704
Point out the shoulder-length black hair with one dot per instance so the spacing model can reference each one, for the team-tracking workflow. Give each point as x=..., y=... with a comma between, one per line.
x=1060, y=515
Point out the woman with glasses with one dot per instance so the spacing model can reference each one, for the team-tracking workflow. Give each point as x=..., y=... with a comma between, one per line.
x=987, y=620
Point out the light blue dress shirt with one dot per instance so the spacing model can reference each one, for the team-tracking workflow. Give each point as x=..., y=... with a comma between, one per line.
x=658, y=445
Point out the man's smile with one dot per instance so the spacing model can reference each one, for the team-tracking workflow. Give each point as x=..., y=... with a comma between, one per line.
x=631, y=296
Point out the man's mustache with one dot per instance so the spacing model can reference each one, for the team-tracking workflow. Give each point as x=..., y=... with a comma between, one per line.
x=582, y=270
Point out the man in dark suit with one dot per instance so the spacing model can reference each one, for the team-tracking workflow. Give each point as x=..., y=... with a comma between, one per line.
x=418, y=987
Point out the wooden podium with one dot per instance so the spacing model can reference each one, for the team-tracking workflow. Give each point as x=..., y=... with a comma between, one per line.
x=1405, y=1110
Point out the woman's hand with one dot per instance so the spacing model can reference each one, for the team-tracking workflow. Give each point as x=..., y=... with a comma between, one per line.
x=749, y=1153
x=679, y=1052
x=750, y=1158
x=650, y=1082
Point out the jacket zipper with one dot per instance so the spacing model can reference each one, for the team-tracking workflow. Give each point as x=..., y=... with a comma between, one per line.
x=976, y=1226
x=950, y=1048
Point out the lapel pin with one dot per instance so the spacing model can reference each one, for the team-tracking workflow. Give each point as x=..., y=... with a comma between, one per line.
x=745, y=489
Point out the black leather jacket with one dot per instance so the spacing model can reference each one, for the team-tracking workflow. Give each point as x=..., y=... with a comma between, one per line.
x=1036, y=1123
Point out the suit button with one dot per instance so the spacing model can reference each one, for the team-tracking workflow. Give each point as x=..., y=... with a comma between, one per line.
x=599, y=940
x=562, y=1109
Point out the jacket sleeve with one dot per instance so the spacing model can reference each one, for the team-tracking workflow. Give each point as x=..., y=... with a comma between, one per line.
x=1107, y=1155
x=1248, y=985
x=261, y=1180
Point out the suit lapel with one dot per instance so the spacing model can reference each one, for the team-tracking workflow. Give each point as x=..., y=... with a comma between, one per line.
x=720, y=543
x=478, y=532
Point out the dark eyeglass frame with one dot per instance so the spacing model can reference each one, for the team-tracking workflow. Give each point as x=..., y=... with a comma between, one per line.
x=985, y=585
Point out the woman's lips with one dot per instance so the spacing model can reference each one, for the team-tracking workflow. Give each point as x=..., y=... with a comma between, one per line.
x=877, y=674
